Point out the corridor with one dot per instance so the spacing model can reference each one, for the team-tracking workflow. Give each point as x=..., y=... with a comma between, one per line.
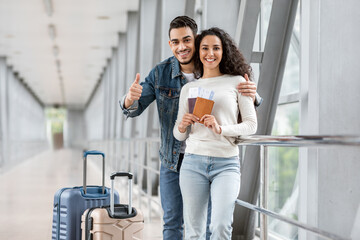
x=66, y=65
x=27, y=192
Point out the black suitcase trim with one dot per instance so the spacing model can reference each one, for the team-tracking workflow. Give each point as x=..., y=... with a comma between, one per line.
x=121, y=211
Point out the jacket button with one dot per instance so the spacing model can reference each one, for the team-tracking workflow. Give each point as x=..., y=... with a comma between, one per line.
x=174, y=152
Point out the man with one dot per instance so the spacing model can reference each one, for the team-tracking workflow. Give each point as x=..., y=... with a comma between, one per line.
x=163, y=84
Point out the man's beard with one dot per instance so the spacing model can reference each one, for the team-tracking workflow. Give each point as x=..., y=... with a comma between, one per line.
x=188, y=62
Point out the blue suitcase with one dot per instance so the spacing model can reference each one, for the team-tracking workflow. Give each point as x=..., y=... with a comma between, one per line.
x=70, y=204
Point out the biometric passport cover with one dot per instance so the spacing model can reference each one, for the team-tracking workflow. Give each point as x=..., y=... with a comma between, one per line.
x=191, y=104
x=203, y=106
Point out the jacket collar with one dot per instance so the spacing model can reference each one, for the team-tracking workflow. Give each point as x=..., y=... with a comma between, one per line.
x=175, y=68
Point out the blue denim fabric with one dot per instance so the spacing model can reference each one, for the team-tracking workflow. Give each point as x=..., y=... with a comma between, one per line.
x=204, y=176
x=172, y=204
x=163, y=84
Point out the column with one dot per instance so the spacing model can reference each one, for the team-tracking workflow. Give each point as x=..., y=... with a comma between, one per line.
x=4, y=112
x=329, y=178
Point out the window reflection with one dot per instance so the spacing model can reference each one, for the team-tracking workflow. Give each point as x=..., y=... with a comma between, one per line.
x=283, y=193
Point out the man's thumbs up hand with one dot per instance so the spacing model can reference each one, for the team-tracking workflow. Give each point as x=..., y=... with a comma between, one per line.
x=137, y=78
x=134, y=92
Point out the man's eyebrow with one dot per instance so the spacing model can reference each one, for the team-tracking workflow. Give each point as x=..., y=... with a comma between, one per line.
x=175, y=39
x=188, y=36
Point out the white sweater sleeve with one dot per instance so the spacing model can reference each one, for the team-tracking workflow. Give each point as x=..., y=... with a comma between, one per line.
x=183, y=108
x=249, y=120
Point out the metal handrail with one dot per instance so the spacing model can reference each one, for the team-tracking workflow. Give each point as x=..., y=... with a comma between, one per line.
x=299, y=140
x=288, y=220
x=143, y=166
x=265, y=141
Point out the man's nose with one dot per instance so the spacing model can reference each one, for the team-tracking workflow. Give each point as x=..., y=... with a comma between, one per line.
x=182, y=46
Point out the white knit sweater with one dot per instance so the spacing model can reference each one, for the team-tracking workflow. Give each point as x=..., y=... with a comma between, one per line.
x=202, y=140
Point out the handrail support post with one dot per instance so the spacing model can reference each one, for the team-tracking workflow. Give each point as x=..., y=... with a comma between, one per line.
x=264, y=170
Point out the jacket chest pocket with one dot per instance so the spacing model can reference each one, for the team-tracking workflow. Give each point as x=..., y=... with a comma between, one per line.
x=168, y=100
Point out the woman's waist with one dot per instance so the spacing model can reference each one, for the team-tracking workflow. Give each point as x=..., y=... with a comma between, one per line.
x=211, y=147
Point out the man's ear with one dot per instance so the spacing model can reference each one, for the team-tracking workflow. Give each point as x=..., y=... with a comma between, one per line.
x=169, y=43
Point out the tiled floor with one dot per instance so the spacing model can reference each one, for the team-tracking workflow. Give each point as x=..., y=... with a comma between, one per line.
x=27, y=191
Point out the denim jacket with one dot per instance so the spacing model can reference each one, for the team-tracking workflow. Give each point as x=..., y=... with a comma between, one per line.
x=163, y=84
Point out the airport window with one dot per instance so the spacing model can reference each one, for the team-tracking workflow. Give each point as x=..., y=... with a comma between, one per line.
x=264, y=20
x=283, y=189
x=283, y=162
x=55, y=126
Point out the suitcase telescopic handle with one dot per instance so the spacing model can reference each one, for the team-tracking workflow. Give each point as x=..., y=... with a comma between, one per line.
x=121, y=174
x=86, y=153
x=112, y=178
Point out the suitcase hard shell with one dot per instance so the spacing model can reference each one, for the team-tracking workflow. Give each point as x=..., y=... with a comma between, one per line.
x=114, y=221
x=70, y=203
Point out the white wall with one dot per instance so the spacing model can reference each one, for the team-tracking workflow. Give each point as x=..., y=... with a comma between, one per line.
x=74, y=129
x=94, y=116
x=329, y=93
x=23, y=128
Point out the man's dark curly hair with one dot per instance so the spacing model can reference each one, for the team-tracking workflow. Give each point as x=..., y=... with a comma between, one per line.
x=232, y=62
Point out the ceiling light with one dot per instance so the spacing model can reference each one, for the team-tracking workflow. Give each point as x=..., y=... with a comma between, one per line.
x=52, y=31
x=49, y=7
x=58, y=64
x=56, y=51
x=103, y=17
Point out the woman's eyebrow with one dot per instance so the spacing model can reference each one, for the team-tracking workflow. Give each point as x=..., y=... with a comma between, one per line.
x=204, y=44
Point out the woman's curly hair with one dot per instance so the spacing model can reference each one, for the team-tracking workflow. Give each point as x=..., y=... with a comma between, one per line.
x=232, y=62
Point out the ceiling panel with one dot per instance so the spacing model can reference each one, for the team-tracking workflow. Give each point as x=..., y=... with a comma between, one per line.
x=67, y=50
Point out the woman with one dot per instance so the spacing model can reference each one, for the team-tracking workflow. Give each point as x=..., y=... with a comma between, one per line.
x=211, y=166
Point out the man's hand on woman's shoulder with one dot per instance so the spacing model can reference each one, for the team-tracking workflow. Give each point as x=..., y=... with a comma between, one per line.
x=247, y=88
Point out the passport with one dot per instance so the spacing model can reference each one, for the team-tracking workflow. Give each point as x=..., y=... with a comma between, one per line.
x=191, y=104
x=202, y=106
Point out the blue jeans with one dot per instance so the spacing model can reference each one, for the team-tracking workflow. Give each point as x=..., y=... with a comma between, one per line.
x=204, y=176
x=171, y=203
